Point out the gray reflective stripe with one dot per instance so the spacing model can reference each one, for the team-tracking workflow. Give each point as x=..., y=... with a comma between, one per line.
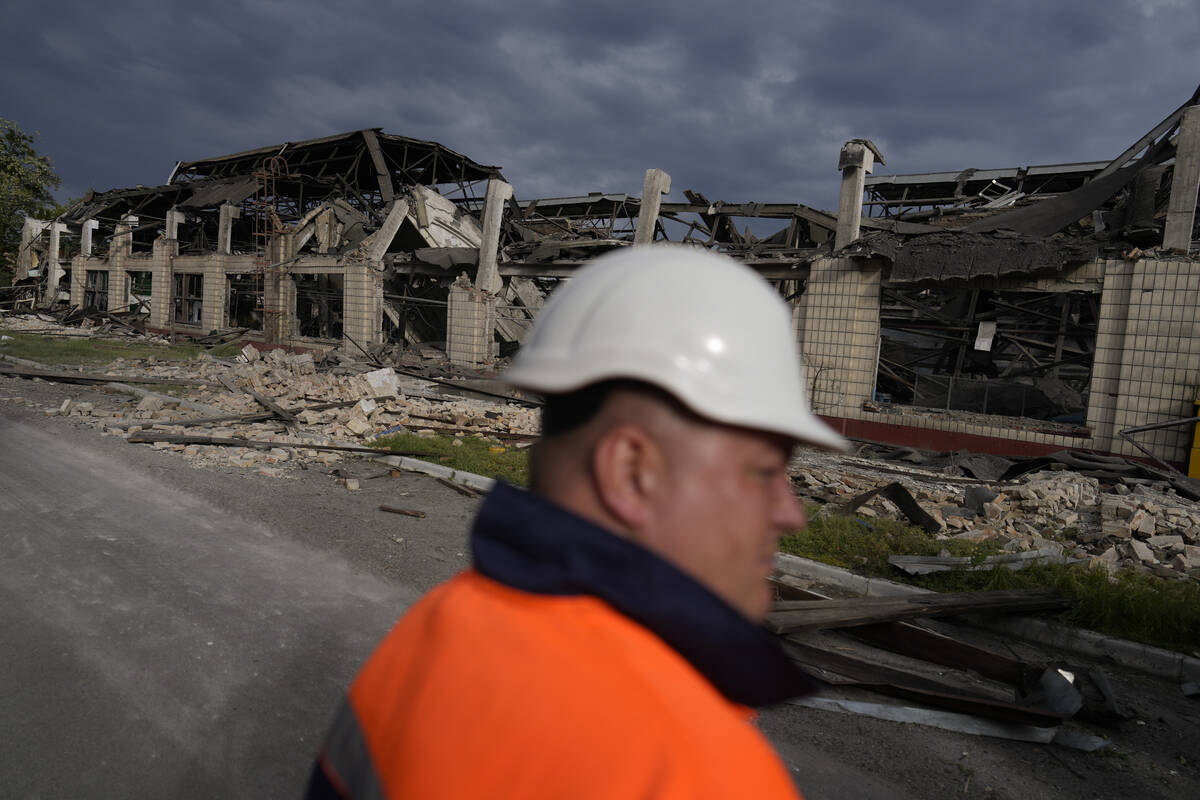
x=345, y=752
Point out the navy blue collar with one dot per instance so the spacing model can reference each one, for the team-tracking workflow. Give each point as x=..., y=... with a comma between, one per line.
x=526, y=542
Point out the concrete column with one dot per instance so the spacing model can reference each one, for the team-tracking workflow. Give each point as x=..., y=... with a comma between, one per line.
x=160, y=283
x=362, y=306
x=86, y=234
x=118, y=290
x=174, y=219
x=31, y=229
x=656, y=184
x=487, y=277
x=229, y=213
x=212, y=312
x=79, y=267
x=1181, y=212
x=840, y=316
x=470, y=323
x=856, y=161
x=53, y=270
x=289, y=327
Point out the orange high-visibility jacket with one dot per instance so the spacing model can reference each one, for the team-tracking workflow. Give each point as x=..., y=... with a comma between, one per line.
x=568, y=664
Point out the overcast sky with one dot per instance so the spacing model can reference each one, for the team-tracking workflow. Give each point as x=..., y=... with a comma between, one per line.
x=743, y=101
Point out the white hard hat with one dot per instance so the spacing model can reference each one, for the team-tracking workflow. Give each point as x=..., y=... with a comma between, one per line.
x=700, y=326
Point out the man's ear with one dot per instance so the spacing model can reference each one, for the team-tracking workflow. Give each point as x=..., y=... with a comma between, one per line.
x=627, y=469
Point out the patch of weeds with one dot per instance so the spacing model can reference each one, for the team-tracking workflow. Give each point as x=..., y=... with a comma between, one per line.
x=54, y=350
x=1129, y=605
x=864, y=545
x=473, y=455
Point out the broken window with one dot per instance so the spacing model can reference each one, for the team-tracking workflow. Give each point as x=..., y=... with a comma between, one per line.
x=319, y=305
x=1019, y=354
x=140, y=289
x=95, y=290
x=189, y=297
x=246, y=301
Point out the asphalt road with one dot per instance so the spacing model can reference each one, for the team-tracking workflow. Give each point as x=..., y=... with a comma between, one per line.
x=155, y=645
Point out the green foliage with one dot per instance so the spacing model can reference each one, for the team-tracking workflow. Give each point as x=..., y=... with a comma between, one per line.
x=26, y=180
x=864, y=545
x=473, y=455
x=1129, y=605
x=52, y=350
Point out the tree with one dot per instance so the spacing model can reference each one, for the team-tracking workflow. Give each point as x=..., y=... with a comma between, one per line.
x=26, y=179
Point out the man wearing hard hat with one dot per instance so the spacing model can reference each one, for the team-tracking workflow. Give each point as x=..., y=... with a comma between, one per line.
x=606, y=641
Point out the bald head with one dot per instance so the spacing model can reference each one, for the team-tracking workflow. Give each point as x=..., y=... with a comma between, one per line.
x=713, y=499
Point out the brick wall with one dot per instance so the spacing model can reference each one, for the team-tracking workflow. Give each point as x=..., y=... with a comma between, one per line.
x=470, y=322
x=838, y=331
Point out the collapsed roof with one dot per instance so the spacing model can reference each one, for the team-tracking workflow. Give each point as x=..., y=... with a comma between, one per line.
x=1021, y=221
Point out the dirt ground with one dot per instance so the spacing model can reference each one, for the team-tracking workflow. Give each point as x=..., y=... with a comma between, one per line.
x=1155, y=754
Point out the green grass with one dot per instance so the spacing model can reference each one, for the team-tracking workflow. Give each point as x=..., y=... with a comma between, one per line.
x=864, y=545
x=1141, y=608
x=473, y=455
x=69, y=350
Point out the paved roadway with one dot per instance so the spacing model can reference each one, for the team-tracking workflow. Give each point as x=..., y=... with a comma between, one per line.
x=153, y=645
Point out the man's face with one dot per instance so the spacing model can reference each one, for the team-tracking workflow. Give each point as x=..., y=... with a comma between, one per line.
x=726, y=501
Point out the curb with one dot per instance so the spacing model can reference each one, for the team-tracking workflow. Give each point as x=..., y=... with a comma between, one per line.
x=477, y=482
x=1131, y=655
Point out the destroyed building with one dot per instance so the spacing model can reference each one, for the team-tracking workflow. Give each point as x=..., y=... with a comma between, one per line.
x=1016, y=310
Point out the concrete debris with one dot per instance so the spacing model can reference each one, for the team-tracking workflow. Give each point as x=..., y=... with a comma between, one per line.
x=346, y=404
x=1141, y=525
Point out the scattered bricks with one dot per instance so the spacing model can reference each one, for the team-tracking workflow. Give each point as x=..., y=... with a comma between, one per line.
x=270, y=472
x=357, y=426
x=458, y=443
x=429, y=433
x=993, y=510
x=1142, y=523
x=65, y=407
x=150, y=404
x=161, y=445
x=1110, y=508
x=1142, y=551
x=83, y=409
x=383, y=382
x=954, y=522
x=1174, y=543
x=1115, y=528
x=349, y=483
x=250, y=353
x=1182, y=563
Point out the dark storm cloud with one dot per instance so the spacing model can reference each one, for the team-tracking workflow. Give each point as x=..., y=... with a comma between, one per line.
x=746, y=101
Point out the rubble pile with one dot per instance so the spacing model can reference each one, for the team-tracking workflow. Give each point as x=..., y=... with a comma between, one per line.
x=1064, y=514
x=324, y=409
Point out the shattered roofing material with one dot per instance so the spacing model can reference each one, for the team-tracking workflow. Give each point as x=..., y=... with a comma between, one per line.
x=951, y=256
x=417, y=160
x=1052, y=215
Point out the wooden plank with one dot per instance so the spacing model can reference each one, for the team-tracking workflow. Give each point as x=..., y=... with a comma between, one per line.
x=90, y=377
x=791, y=616
x=150, y=437
x=264, y=401
x=913, y=640
x=897, y=683
x=188, y=422
x=408, y=512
